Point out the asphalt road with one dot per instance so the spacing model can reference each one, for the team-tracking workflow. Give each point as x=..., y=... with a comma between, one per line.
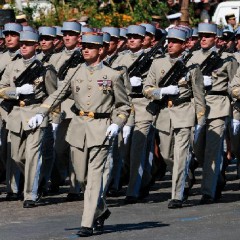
x=56, y=219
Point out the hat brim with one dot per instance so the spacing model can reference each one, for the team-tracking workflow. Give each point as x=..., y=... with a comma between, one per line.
x=174, y=16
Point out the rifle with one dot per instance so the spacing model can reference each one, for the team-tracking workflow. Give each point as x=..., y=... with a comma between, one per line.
x=144, y=61
x=32, y=72
x=175, y=73
x=18, y=55
x=75, y=59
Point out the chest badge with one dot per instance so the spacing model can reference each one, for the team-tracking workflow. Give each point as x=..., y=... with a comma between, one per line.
x=162, y=71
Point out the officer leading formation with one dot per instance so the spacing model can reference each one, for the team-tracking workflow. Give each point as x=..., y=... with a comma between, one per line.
x=110, y=107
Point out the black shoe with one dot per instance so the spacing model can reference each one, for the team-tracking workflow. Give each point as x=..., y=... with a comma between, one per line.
x=71, y=197
x=174, y=203
x=29, y=204
x=206, y=199
x=130, y=200
x=85, y=232
x=144, y=192
x=13, y=197
x=113, y=193
x=99, y=222
x=53, y=189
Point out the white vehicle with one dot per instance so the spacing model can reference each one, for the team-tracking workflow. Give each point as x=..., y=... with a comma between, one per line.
x=225, y=8
x=39, y=6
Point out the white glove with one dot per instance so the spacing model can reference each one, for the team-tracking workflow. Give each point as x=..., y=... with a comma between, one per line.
x=197, y=131
x=207, y=81
x=235, y=126
x=170, y=90
x=112, y=131
x=25, y=89
x=35, y=121
x=54, y=126
x=135, y=81
x=126, y=133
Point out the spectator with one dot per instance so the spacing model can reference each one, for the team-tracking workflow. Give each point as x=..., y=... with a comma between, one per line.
x=205, y=17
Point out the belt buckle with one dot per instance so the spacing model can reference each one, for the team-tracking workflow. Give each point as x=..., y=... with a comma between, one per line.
x=86, y=114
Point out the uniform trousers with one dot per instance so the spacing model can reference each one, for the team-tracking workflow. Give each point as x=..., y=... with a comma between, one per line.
x=26, y=151
x=90, y=176
x=140, y=173
x=210, y=146
x=181, y=156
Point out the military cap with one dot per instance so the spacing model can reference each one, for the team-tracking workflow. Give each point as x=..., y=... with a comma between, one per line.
x=12, y=27
x=92, y=37
x=58, y=31
x=21, y=18
x=106, y=37
x=136, y=29
x=149, y=28
x=228, y=34
x=47, y=31
x=173, y=14
x=195, y=32
x=177, y=33
x=156, y=18
x=187, y=29
x=207, y=28
x=113, y=31
x=86, y=29
x=28, y=36
x=123, y=32
x=230, y=16
x=71, y=26
x=28, y=28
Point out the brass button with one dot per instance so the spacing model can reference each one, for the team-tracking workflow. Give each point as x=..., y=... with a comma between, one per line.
x=89, y=95
x=89, y=88
x=88, y=103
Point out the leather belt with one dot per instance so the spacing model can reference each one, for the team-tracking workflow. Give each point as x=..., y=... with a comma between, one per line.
x=28, y=102
x=217, y=93
x=177, y=102
x=93, y=115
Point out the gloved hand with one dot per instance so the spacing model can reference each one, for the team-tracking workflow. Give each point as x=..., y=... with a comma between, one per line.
x=170, y=90
x=112, y=131
x=54, y=126
x=207, y=81
x=135, y=81
x=126, y=133
x=197, y=131
x=235, y=126
x=35, y=121
x=25, y=89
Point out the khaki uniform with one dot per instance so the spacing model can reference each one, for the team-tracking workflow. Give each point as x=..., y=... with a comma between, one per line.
x=12, y=171
x=25, y=143
x=209, y=145
x=174, y=121
x=62, y=148
x=96, y=89
x=140, y=171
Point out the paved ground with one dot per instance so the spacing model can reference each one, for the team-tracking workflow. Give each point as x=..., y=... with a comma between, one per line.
x=56, y=219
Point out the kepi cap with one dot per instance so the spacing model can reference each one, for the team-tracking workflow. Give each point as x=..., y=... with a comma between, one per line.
x=136, y=29
x=28, y=36
x=92, y=37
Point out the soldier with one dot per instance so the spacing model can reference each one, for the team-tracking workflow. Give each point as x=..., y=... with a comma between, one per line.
x=96, y=90
x=26, y=97
x=209, y=144
x=14, y=177
x=177, y=112
x=140, y=177
x=149, y=37
x=58, y=41
x=122, y=45
x=71, y=36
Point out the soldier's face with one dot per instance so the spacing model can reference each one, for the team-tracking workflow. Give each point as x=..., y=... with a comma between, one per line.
x=135, y=42
x=70, y=39
x=148, y=41
x=175, y=47
x=46, y=43
x=12, y=41
x=113, y=45
x=207, y=40
x=91, y=52
x=28, y=49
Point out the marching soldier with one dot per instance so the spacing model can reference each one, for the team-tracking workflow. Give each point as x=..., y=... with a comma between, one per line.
x=71, y=36
x=149, y=36
x=58, y=41
x=177, y=112
x=96, y=90
x=14, y=178
x=209, y=144
x=26, y=97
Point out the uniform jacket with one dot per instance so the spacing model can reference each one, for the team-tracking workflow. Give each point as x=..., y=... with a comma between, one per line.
x=96, y=89
x=43, y=86
x=191, y=85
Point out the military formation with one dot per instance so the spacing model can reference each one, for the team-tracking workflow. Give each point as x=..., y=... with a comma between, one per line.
x=110, y=107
